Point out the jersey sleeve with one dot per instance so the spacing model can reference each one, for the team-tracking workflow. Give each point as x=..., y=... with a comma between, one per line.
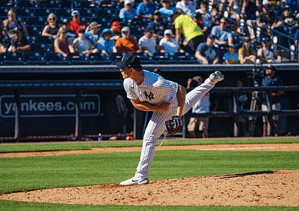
x=129, y=88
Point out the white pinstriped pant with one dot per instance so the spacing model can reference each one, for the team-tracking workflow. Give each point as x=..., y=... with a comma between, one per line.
x=156, y=127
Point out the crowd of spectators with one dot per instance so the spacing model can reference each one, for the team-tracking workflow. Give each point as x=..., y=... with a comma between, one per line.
x=209, y=31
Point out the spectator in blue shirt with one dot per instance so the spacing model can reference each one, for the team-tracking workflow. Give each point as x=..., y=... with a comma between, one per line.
x=146, y=9
x=166, y=10
x=223, y=35
x=206, y=52
x=271, y=80
x=92, y=34
x=128, y=13
x=105, y=45
x=231, y=56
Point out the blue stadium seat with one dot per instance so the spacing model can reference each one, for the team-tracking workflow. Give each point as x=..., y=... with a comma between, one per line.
x=99, y=59
x=48, y=4
x=25, y=4
x=36, y=21
x=12, y=59
x=184, y=58
x=77, y=58
x=38, y=48
x=144, y=57
x=162, y=58
x=33, y=58
x=44, y=40
x=53, y=58
x=116, y=57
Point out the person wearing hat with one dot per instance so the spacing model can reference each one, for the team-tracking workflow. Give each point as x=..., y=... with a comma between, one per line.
x=18, y=43
x=166, y=10
x=267, y=18
x=202, y=106
x=9, y=24
x=52, y=28
x=105, y=44
x=128, y=13
x=287, y=18
x=158, y=25
x=189, y=28
x=149, y=91
x=231, y=56
x=169, y=44
x=82, y=45
x=246, y=54
x=115, y=30
x=146, y=9
x=92, y=35
x=76, y=24
x=187, y=7
x=147, y=43
x=267, y=54
x=271, y=80
x=126, y=43
x=207, y=53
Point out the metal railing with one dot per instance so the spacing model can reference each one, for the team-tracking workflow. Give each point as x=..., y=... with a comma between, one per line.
x=237, y=112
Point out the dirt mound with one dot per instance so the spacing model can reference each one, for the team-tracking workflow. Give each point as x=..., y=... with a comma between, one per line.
x=278, y=188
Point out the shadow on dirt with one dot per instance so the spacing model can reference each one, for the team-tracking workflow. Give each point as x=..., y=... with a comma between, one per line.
x=227, y=176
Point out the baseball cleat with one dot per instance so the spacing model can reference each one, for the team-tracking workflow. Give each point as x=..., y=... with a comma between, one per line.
x=132, y=181
x=216, y=76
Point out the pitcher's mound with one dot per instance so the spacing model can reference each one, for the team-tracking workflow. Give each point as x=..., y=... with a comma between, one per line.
x=271, y=188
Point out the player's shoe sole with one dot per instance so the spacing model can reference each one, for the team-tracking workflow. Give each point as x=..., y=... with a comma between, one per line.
x=135, y=182
x=216, y=76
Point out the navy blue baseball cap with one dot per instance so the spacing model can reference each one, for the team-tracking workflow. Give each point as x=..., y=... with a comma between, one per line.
x=129, y=60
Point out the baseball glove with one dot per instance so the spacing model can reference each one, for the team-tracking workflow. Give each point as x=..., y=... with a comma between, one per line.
x=173, y=125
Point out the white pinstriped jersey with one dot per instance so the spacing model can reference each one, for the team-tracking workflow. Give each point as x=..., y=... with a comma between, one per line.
x=154, y=89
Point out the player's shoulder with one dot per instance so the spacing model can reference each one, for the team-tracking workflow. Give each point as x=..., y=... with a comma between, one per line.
x=128, y=82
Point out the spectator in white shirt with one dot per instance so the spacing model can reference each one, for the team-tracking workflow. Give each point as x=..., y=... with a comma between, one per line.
x=147, y=43
x=169, y=44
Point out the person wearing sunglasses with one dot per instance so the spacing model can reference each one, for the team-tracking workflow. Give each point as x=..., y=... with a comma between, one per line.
x=52, y=28
x=61, y=45
x=9, y=24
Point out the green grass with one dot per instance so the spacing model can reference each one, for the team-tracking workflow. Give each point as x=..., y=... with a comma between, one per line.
x=30, y=173
x=88, y=145
x=41, y=172
x=17, y=206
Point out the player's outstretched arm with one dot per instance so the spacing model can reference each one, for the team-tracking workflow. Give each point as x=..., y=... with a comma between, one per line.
x=181, y=97
x=145, y=106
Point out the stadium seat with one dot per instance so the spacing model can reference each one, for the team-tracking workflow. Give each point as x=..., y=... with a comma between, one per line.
x=38, y=48
x=77, y=59
x=33, y=58
x=99, y=59
x=44, y=40
x=184, y=58
x=162, y=58
x=144, y=57
x=36, y=21
x=25, y=4
x=53, y=58
x=116, y=57
x=12, y=59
